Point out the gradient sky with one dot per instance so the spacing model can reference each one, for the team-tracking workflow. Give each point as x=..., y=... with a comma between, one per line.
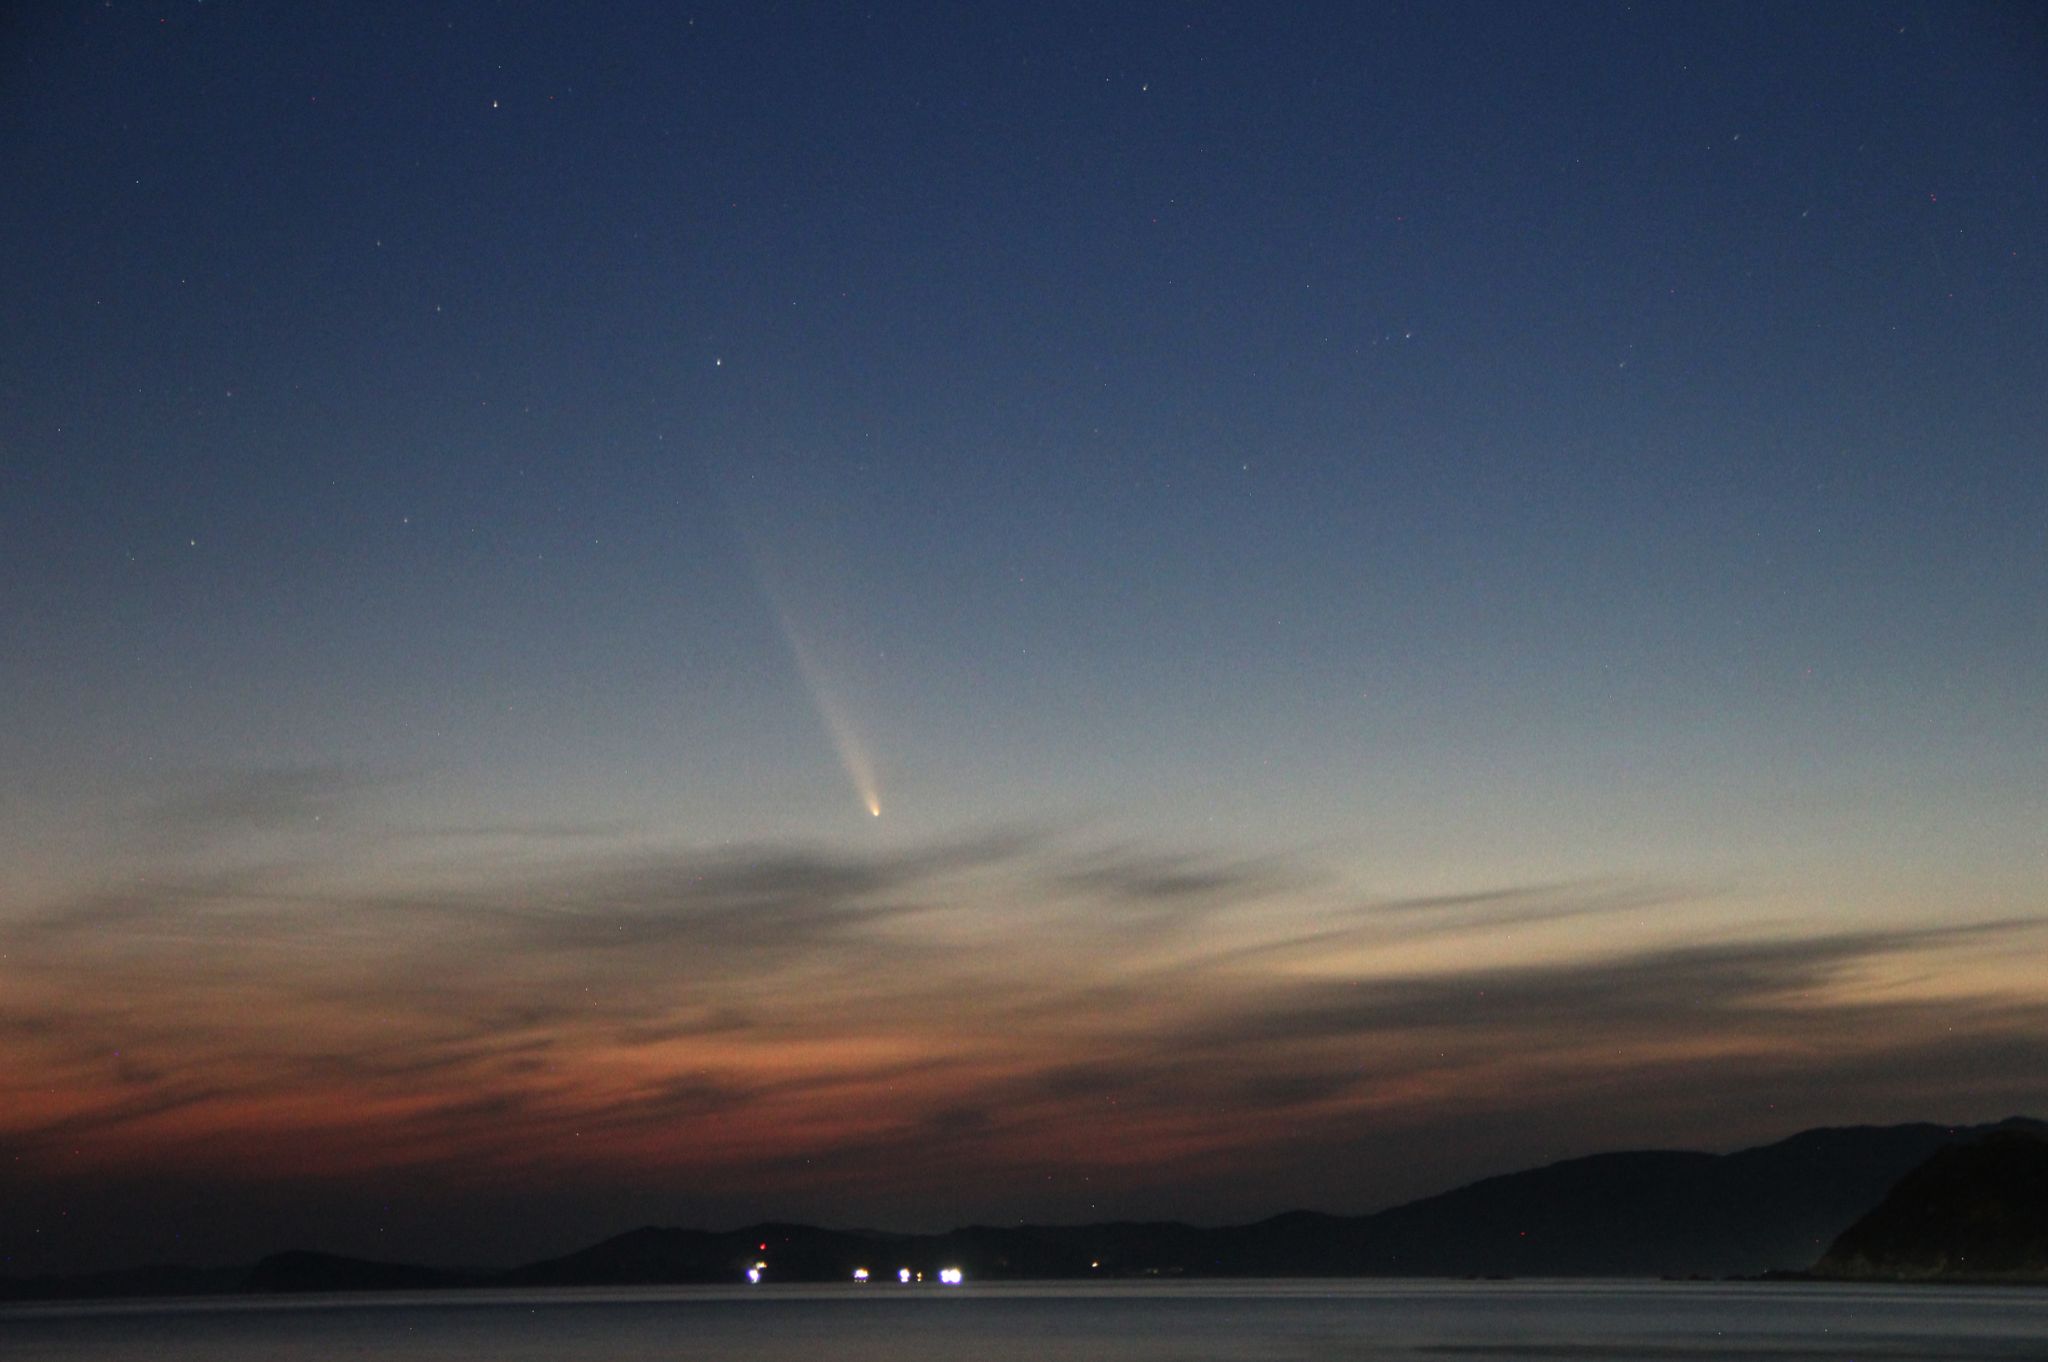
x=1419, y=588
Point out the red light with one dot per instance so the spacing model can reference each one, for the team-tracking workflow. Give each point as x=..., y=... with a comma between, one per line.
x=764, y=1248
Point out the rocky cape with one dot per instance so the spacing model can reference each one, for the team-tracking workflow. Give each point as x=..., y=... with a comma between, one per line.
x=1973, y=1212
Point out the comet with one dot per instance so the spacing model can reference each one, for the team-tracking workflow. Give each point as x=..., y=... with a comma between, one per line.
x=846, y=739
x=853, y=753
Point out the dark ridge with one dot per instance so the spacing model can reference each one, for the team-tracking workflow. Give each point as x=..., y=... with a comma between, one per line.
x=1655, y=1213
x=155, y=1279
x=1636, y=1214
x=301, y=1270
x=1972, y=1212
x=652, y=1255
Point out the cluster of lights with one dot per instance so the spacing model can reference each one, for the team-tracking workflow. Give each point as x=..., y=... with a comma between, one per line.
x=948, y=1276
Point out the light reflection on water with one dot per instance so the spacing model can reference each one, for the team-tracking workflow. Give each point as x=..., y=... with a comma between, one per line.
x=1180, y=1322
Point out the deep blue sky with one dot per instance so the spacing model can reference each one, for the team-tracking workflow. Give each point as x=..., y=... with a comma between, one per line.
x=1413, y=450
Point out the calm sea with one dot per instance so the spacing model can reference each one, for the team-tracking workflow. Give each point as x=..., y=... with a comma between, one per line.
x=1206, y=1322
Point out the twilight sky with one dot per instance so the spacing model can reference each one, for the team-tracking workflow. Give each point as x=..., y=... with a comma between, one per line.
x=1419, y=588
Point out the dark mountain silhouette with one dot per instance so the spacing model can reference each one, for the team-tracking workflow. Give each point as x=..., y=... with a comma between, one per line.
x=303, y=1270
x=1636, y=1214
x=1973, y=1212
x=653, y=1255
x=154, y=1279
x=1627, y=1215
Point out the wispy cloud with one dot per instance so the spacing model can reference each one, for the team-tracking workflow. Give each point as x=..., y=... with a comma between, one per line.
x=982, y=1009
x=266, y=800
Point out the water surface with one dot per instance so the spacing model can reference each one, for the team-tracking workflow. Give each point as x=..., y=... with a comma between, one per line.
x=1060, y=1322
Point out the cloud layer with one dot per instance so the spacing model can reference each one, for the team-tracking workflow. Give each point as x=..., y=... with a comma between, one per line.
x=1011, y=1023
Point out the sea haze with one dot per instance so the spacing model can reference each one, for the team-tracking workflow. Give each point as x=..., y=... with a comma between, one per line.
x=1212, y=1322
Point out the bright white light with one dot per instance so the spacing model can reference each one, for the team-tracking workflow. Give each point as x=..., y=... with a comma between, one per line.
x=860, y=1274
x=754, y=1275
x=950, y=1276
x=903, y=1275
